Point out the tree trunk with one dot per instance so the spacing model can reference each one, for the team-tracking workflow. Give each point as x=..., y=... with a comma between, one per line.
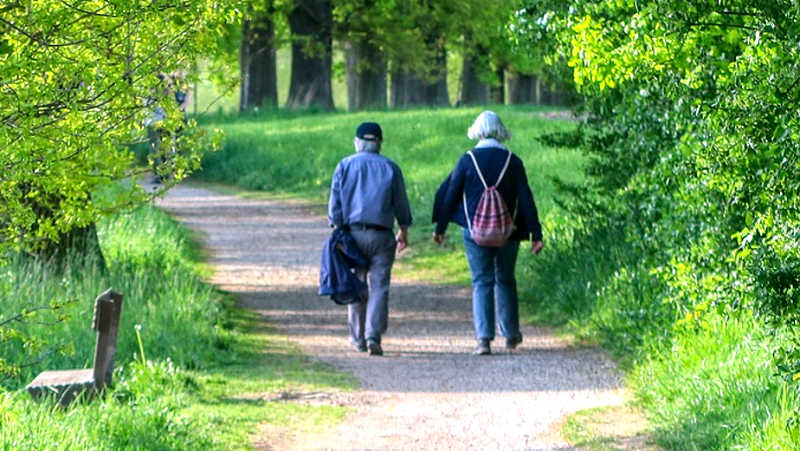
x=406, y=90
x=75, y=246
x=473, y=90
x=409, y=89
x=351, y=74
x=497, y=91
x=311, y=22
x=259, y=83
x=522, y=89
x=60, y=248
x=81, y=243
x=366, y=76
x=535, y=90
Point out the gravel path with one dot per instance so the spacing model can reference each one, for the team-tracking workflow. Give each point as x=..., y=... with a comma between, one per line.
x=428, y=392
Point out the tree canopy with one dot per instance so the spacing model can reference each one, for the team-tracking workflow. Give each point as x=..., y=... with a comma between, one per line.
x=77, y=81
x=694, y=135
x=408, y=39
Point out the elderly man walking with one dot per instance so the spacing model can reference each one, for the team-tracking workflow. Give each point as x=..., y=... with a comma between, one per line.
x=368, y=194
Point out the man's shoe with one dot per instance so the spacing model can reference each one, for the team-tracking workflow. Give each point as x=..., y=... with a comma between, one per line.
x=374, y=347
x=359, y=346
x=511, y=343
x=483, y=348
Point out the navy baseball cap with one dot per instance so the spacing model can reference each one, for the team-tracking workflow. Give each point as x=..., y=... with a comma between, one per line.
x=369, y=131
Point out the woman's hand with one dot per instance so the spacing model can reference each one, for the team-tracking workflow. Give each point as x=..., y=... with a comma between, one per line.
x=402, y=239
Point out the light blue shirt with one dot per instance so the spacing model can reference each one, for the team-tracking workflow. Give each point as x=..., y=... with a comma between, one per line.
x=368, y=188
x=490, y=142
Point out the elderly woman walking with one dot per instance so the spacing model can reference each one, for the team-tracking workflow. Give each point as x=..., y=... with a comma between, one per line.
x=494, y=284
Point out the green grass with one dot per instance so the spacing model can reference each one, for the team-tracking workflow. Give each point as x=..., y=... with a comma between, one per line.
x=204, y=377
x=714, y=388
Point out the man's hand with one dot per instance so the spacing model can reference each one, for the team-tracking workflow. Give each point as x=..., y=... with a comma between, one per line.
x=402, y=239
x=536, y=247
x=438, y=238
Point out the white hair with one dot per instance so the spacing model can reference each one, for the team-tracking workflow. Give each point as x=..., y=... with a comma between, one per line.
x=488, y=125
x=362, y=145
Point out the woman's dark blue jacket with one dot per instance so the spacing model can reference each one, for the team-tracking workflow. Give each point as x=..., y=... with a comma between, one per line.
x=448, y=205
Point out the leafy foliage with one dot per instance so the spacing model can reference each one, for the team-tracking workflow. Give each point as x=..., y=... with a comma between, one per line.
x=692, y=127
x=78, y=81
x=36, y=349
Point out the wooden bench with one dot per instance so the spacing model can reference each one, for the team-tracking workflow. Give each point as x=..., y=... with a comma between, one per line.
x=67, y=385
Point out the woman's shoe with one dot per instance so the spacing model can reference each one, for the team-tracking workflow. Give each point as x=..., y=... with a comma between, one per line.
x=483, y=348
x=511, y=343
x=360, y=346
x=374, y=347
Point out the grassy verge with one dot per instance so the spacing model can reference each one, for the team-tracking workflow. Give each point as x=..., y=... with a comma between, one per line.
x=193, y=371
x=714, y=387
x=616, y=428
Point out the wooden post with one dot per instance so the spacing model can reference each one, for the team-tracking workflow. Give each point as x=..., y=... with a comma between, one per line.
x=108, y=307
x=68, y=384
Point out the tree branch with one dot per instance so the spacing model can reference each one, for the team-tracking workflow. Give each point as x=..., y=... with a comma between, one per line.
x=19, y=317
x=721, y=25
x=10, y=6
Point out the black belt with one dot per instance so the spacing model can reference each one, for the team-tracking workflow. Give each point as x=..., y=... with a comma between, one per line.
x=368, y=227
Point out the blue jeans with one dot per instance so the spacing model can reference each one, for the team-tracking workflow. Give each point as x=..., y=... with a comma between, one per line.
x=494, y=288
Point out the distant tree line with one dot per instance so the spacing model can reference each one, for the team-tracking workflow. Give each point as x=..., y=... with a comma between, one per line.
x=395, y=54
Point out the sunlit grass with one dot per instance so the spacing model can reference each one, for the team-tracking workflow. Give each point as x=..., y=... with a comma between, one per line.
x=608, y=428
x=715, y=388
x=206, y=375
